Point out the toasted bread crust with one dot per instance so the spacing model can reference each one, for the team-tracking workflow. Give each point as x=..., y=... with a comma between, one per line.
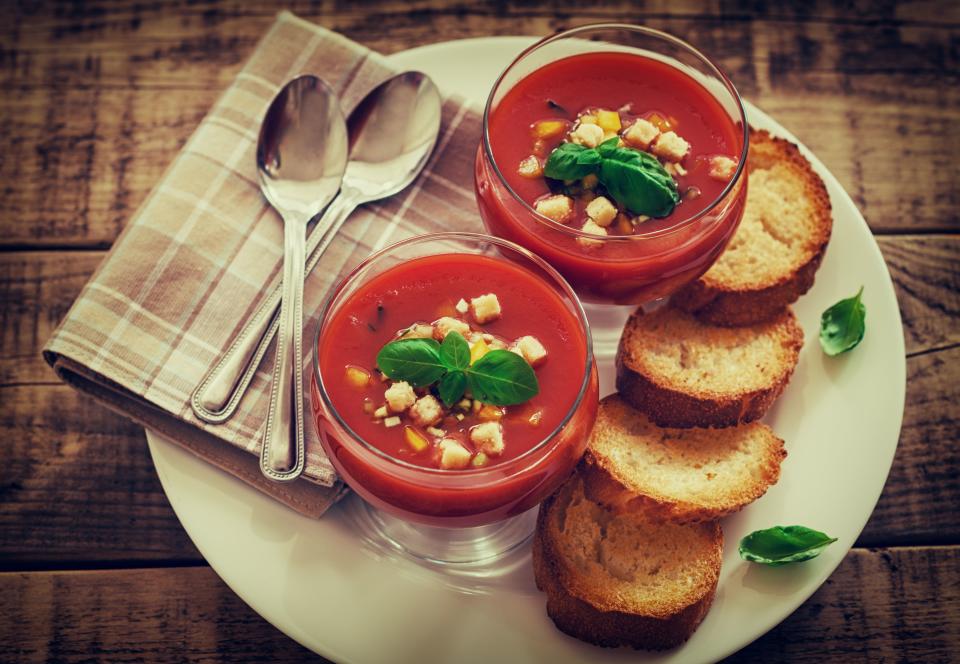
x=607, y=482
x=582, y=620
x=668, y=406
x=720, y=303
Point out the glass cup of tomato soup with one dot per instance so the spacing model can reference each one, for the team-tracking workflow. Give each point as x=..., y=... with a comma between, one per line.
x=616, y=153
x=454, y=388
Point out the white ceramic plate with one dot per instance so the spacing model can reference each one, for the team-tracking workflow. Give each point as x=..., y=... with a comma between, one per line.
x=318, y=583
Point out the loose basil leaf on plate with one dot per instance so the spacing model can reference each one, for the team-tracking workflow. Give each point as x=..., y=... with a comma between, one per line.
x=502, y=378
x=637, y=181
x=416, y=361
x=783, y=544
x=571, y=162
x=455, y=351
x=452, y=386
x=842, y=325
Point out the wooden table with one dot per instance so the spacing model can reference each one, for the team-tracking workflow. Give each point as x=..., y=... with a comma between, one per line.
x=98, y=97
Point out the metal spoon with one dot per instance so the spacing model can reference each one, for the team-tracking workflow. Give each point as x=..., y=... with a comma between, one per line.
x=392, y=134
x=301, y=157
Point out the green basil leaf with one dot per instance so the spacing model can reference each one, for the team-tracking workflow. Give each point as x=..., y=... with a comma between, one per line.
x=842, y=325
x=452, y=386
x=608, y=147
x=638, y=182
x=455, y=351
x=502, y=378
x=416, y=361
x=783, y=544
x=570, y=161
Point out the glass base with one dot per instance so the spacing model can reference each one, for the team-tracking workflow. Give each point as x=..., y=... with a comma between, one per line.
x=606, y=325
x=478, y=550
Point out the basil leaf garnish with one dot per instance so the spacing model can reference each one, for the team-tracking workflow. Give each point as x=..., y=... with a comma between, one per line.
x=571, y=162
x=634, y=179
x=638, y=182
x=783, y=544
x=455, y=351
x=499, y=378
x=502, y=378
x=452, y=386
x=417, y=361
x=842, y=325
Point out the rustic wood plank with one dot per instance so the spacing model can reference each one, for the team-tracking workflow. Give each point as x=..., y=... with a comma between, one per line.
x=78, y=485
x=926, y=275
x=100, y=99
x=157, y=615
x=880, y=605
x=921, y=499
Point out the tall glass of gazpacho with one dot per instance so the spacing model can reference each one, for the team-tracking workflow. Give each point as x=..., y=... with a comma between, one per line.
x=616, y=153
x=454, y=389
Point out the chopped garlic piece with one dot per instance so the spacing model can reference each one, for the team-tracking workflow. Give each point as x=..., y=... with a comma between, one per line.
x=601, y=211
x=391, y=421
x=380, y=412
x=462, y=306
x=485, y=308
x=400, y=396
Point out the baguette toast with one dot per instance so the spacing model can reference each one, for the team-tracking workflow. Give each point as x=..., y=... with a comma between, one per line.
x=775, y=253
x=678, y=475
x=682, y=372
x=620, y=580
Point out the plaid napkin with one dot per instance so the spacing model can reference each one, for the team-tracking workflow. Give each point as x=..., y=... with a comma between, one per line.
x=204, y=249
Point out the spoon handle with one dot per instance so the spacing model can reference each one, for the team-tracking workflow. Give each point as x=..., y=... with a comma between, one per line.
x=216, y=397
x=282, y=453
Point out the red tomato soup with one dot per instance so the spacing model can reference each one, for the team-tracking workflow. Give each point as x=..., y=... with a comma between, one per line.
x=647, y=106
x=495, y=305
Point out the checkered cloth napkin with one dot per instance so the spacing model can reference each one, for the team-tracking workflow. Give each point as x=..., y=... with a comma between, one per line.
x=205, y=248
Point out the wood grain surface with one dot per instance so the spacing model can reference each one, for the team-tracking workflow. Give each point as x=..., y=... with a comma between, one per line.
x=98, y=97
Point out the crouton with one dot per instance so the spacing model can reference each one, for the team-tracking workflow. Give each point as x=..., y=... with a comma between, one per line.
x=400, y=396
x=485, y=308
x=488, y=438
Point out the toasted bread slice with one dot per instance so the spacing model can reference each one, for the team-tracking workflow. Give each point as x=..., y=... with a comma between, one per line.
x=679, y=475
x=773, y=257
x=620, y=580
x=682, y=372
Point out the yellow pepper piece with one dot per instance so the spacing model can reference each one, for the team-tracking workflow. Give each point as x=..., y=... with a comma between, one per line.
x=357, y=376
x=660, y=122
x=609, y=120
x=416, y=440
x=544, y=129
x=489, y=413
x=478, y=349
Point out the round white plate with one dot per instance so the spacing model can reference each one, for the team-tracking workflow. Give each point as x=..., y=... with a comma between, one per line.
x=318, y=583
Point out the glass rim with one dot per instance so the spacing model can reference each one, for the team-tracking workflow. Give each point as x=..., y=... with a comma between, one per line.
x=574, y=232
x=493, y=469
